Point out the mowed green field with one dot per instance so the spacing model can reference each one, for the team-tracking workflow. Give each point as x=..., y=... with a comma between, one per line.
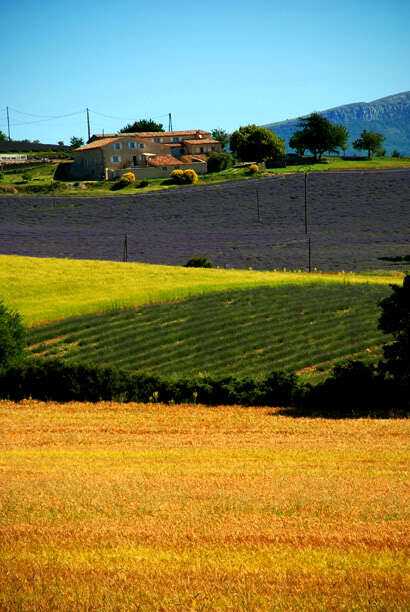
x=302, y=328
x=175, y=320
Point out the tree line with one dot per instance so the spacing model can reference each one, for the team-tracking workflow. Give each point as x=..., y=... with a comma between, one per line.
x=316, y=134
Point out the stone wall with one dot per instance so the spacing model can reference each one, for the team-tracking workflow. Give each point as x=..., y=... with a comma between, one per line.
x=155, y=172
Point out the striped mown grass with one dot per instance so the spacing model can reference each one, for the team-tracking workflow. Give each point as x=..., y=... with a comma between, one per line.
x=166, y=508
x=46, y=289
x=300, y=327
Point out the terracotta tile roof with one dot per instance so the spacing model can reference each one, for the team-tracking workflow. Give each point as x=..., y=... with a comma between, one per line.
x=177, y=133
x=163, y=160
x=100, y=136
x=188, y=159
x=96, y=144
x=202, y=141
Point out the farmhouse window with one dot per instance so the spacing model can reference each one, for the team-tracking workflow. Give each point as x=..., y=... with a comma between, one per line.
x=141, y=145
x=175, y=139
x=132, y=145
x=156, y=139
x=117, y=146
x=116, y=159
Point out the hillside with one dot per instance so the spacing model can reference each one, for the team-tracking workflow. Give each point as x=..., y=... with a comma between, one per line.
x=389, y=116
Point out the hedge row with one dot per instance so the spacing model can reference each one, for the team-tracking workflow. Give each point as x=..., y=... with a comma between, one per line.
x=354, y=389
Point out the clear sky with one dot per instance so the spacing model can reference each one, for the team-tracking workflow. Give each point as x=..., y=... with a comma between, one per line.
x=215, y=63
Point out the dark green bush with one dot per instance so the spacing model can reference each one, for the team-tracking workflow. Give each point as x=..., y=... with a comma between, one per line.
x=199, y=262
x=55, y=380
x=120, y=184
x=12, y=337
x=143, y=184
x=275, y=162
x=219, y=161
x=355, y=389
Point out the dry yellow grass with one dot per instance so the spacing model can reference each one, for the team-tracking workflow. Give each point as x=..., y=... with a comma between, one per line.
x=151, y=507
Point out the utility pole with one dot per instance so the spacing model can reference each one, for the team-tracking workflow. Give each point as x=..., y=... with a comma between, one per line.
x=88, y=124
x=257, y=206
x=306, y=223
x=169, y=123
x=8, y=122
x=310, y=255
x=125, y=253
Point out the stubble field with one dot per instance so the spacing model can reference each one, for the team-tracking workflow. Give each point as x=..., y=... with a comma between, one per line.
x=153, y=507
x=353, y=219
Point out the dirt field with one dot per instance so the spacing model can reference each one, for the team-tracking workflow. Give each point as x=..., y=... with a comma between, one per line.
x=353, y=218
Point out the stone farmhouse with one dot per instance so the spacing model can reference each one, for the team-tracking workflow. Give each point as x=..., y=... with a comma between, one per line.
x=146, y=154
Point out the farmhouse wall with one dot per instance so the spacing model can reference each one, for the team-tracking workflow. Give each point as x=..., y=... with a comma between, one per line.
x=158, y=172
x=88, y=165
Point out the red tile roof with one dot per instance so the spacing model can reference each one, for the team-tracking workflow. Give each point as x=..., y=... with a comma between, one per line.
x=96, y=144
x=188, y=159
x=163, y=160
x=177, y=133
x=202, y=141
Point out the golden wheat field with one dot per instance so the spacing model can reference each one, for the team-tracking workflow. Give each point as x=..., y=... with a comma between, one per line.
x=152, y=507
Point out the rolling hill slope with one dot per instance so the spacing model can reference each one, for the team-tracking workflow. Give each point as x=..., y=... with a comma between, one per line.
x=389, y=116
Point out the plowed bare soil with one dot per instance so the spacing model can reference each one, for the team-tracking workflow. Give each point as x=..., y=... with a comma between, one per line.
x=353, y=218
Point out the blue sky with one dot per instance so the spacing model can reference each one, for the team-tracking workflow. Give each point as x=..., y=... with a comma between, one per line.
x=211, y=64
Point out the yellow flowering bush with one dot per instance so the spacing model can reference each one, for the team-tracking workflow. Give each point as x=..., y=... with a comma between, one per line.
x=129, y=177
x=191, y=176
x=177, y=176
x=183, y=177
x=253, y=168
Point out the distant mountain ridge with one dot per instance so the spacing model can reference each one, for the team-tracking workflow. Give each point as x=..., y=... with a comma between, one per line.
x=389, y=116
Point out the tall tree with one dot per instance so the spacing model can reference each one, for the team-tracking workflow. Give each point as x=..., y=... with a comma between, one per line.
x=254, y=143
x=318, y=135
x=2, y=136
x=12, y=337
x=395, y=320
x=76, y=142
x=370, y=142
x=142, y=125
x=222, y=137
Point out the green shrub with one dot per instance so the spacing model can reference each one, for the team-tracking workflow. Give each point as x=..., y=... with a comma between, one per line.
x=1, y=176
x=275, y=162
x=26, y=177
x=396, y=154
x=199, y=262
x=219, y=161
x=143, y=184
x=12, y=337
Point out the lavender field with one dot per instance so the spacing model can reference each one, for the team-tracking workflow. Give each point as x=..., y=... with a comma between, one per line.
x=353, y=219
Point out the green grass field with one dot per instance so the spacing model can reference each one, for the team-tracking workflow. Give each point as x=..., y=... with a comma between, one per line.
x=186, y=320
x=295, y=327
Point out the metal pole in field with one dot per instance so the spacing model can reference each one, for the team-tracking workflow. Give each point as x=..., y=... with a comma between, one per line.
x=257, y=206
x=8, y=122
x=306, y=224
x=88, y=124
x=310, y=255
x=125, y=252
